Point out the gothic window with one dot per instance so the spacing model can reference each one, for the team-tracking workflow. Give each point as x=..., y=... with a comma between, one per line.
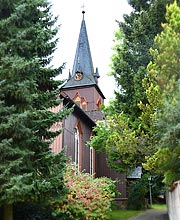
x=84, y=104
x=81, y=101
x=77, y=99
x=78, y=146
x=99, y=103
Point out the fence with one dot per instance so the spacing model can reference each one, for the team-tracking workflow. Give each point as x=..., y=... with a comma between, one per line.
x=173, y=201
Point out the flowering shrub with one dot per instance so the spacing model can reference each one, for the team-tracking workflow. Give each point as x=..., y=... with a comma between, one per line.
x=88, y=198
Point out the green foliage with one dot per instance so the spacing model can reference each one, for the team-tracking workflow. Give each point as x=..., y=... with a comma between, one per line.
x=88, y=197
x=166, y=159
x=140, y=5
x=138, y=190
x=164, y=68
x=127, y=134
x=32, y=211
x=28, y=169
x=164, y=72
x=133, y=40
x=115, y=137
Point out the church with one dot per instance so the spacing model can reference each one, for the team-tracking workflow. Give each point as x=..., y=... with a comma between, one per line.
x=82, y=92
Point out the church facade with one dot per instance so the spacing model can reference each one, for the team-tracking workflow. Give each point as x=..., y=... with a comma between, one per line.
x=82, y=92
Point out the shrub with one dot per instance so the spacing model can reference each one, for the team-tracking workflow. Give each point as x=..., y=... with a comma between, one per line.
x=32, y=211
x=88, y=198
x=138, y=192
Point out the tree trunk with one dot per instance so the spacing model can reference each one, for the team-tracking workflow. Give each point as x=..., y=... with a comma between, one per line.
x=8, y=212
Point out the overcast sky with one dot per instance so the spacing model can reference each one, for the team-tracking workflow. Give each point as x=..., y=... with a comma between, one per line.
x=100, y=16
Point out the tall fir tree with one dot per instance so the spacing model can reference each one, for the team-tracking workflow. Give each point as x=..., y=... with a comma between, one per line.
x=28, y=169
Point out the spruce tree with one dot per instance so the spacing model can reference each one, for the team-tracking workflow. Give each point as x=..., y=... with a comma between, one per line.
x=29, y=171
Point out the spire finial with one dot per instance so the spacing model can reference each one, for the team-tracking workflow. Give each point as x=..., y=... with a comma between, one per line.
x=83, y=10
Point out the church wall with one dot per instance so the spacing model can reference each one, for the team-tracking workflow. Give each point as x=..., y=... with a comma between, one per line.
x=56, y=146
x=69, y=140
x=89, y=93
x=102, y=169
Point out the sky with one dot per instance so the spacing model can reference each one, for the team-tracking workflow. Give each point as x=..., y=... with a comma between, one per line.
x=100, y=18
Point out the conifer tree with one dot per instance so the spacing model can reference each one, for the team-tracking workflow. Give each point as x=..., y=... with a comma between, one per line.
x=163, y=72
x=28, y=169
x=133, y=41
x=131, y=53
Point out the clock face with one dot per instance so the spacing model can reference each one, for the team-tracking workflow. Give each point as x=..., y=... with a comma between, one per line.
x=78, y=76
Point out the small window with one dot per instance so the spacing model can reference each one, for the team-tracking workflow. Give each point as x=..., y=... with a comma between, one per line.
x=84, y=104
x=99, y=103
x=80, y=101
x=77, y=99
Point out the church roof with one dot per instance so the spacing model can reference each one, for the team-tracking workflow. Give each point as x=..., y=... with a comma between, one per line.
x=82, y=62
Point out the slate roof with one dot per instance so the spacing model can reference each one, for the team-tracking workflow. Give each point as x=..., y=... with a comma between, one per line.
x=82, y=62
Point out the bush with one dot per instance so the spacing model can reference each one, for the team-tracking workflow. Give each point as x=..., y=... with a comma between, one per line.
x=88, y=198
x=138, y=193
x=32, y=211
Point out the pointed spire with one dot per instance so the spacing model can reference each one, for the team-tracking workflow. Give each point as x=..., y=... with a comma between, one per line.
x=83, y=61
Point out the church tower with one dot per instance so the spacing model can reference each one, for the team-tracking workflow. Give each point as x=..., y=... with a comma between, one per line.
x=82, y=84
x=81, y=91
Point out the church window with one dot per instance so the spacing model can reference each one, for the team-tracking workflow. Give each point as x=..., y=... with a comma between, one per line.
x=92, y=161
x=99, y=103
x=78, y=145
x=80, y=101
x=77, y=99
x=84, y=104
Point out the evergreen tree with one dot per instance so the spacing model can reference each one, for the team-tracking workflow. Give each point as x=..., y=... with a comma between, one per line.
x=28, y=169
x=133, y=41
x=131, y=53
x=163, y=72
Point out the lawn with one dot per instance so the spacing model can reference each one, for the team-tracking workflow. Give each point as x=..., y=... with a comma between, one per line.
x=126, y=214
x=123, y=214
x=159, y=206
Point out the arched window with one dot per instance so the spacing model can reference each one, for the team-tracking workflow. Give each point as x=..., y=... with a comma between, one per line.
x=77, y=99
x=84, y=104
x=99, y=103
x=81, y=101
x=78, y=145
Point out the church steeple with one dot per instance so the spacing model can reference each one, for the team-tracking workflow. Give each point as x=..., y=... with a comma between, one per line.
x=83, y=74
x=83, y=71
x=83, y=61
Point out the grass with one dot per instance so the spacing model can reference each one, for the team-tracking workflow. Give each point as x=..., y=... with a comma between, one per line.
x=159, y=206
x=126, y=214
x=123, y=214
